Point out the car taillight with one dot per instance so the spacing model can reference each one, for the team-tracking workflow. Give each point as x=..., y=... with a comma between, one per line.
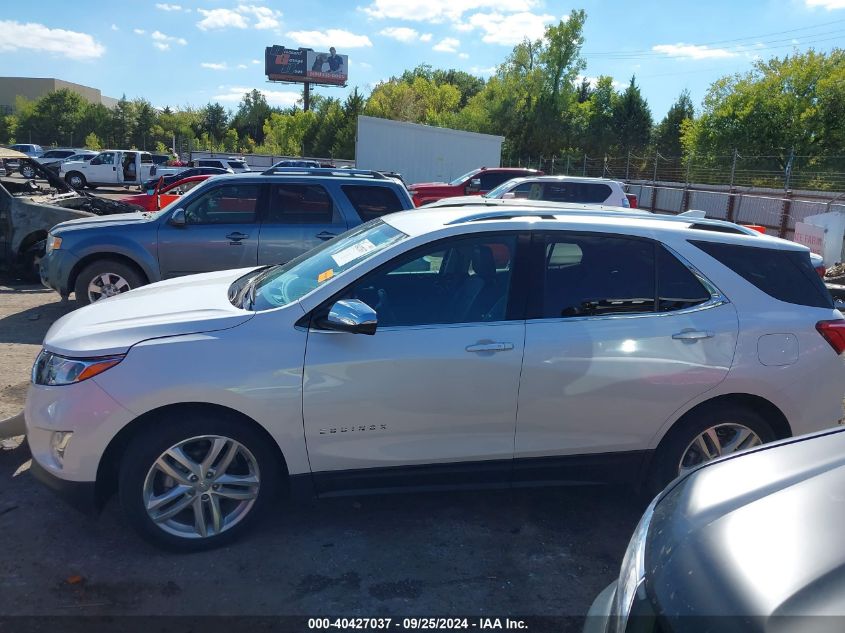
x=834, y=333
x=632, y=199
x=821, y=270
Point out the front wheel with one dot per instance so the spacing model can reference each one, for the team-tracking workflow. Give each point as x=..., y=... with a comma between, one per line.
x=704, y=435
x=196, y=481
x=75, y=180
x=105, y=278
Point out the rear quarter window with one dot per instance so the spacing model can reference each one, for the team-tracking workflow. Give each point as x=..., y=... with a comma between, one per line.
x=578, y=192
x=371, y=201
x=784, y=275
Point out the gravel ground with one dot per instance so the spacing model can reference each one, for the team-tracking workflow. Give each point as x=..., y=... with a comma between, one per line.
x=538, y=552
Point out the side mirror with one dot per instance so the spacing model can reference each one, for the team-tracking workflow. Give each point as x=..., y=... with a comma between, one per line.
x=350, y=315
x=474, y=186
x=177, y=218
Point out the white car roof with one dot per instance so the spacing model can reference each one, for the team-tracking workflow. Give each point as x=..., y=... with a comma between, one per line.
x=522, y=217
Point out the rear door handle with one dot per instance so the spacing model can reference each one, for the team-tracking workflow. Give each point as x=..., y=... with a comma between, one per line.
x=692, y=335
x=237, y=236
x=489, y=347
x=325, y=235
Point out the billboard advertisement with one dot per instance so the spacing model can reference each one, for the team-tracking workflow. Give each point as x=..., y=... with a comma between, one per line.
x=301, y=65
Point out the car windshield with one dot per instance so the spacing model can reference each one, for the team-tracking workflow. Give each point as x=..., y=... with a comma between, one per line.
x=464, y=178
x=499, y=191
x=280, y=285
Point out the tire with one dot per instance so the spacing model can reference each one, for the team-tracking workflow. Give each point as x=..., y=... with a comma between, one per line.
x=30, y=262
x=76, y=180
x=677, y=445
x=27, y=171
x=114, y=277
x=141, y=482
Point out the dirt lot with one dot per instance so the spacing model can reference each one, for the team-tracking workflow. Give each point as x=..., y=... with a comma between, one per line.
x=540, y=552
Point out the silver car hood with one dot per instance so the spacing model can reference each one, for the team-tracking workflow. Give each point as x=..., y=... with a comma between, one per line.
x=187, y=305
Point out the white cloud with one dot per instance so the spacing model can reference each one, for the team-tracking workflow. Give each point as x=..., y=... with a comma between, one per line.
x=234, y=94
x=221, y=19
x=510, y=29
x=400, y=33
x=830, y=5
x=426, y=37
x=692, y=51
x=138, y=31
x=37, y=37
x=115, y=27
x=447, y=45
x=162, y=42
x=483, y=71
x=168, y=7
x=264, y=18
x=214, y=65
x=256, y=61
x=242, y=66
x=338, y=38
x=593, y=82
x=364, y=65
x=441, y=10
x=463, y=55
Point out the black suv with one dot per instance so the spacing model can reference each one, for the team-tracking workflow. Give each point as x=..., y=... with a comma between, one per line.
x=229, y=221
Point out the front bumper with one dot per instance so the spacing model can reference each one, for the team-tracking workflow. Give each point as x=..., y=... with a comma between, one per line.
x=81, y=495
x=598, y=617
x=55, y=269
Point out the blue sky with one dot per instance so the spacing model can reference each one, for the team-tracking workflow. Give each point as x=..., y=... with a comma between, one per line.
x=196, y=51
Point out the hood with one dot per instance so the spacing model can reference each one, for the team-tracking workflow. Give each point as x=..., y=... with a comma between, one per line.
x=426, y=185
x=117, y=219
x=762, y=531
x=457, y=200
x=140, y=199
x=186, y=305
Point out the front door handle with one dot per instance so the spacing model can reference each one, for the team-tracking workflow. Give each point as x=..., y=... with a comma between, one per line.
x=326, y=235
x=237, y=236
x=692, y=335
x=489, y=347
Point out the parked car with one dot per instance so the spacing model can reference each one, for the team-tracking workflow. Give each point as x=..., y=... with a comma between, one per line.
x=480, y=202
x=476, y=182
x=49, y=157
x=83, y=155
x=150, y=185
x=433, y=349
x=237, y=165
x=750, y=542
x=163, y=196
x=298, y=163
x=227, y=222
x=112, y=167
x=30, y=149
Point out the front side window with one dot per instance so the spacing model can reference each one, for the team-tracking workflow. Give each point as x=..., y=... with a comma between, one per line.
x=300, y=204
x=227, y=204
x=492, y=180
x=106, y=158
x=589, y=275
x=371, y=201
x=463, y=280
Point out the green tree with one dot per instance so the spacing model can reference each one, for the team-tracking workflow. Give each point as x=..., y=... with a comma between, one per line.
x=93, y=142
x=56, y=115
x=284, y=133
x=123, y=123
x=215, y=119
x=146, y=119
x=252, y=112
x=667, y=134
x=632, y=120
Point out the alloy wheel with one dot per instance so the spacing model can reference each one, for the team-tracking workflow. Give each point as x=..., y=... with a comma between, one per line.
x=106, y=285
x=716, y=441
x=201, y=486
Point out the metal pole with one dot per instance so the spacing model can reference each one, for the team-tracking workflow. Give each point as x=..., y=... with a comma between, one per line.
x=628, y=166
x=306, y=96
x=568, y=158
x=733, y=167
x=553, y=165
x=689, y=163
x=654, y=179
x=788, y=174
x=585, y=165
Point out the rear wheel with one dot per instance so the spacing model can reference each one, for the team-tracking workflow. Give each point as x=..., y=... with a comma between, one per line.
x=105, y=278
x=704, y=435
x=27, y=171
x=193, y=482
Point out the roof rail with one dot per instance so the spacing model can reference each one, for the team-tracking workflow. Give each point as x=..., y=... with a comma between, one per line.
x=323, y=171
x=552, y=214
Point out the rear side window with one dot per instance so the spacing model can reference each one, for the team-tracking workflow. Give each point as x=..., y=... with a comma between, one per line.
x=372, y=202
x=300, y=204
x=578, y=192
x=784, y=275
x=677, y=287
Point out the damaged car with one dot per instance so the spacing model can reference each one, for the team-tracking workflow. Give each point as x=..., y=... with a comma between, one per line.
x=29, y=208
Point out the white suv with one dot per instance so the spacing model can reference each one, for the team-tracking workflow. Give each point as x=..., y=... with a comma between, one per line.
x=436, y=349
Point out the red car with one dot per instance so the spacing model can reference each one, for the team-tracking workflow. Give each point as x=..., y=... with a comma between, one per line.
x=159, y=199
x=476, y=182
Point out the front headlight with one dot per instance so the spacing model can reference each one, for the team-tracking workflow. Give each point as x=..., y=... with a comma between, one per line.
x=632, y=574
x=52, y=369
x=53, y=243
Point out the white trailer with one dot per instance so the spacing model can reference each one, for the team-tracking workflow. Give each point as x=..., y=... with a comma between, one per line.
x=422, y=153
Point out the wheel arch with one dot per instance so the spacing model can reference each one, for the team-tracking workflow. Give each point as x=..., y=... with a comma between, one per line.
x=108, y=468
x=88, y=259
x=30, y=240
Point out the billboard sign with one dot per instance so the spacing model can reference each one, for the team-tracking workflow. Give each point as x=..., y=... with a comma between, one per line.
x=301, y=65
x=810, y=236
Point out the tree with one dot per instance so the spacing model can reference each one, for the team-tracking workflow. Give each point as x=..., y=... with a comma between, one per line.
x=632, y=119
x=214, y=121
x=93, y=142
x=123, y=122
x=667, y=134
x=252, y=112
x=284, y=133
x=146, y=118
x=599, y=136
x=56, y=115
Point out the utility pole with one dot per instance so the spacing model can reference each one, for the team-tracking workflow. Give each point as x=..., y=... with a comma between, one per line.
x=628, y=167
x=306, y=96
x=788, y=171
x=733, y=167
x=584, y=173
x=654, y=177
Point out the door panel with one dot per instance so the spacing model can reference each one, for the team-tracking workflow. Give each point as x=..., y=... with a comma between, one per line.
x=597, y=385
x=221, y=233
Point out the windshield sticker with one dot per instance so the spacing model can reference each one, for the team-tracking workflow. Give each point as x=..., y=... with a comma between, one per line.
x=325, y=275
x=359, y=249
